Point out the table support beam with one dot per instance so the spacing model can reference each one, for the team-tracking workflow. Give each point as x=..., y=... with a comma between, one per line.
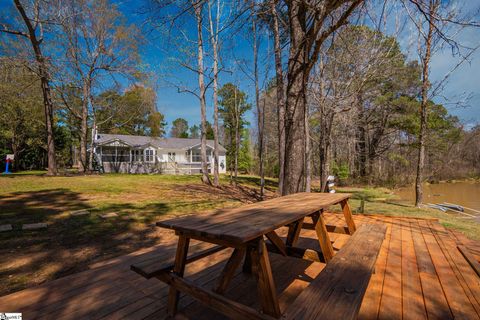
x=294, y=232
x=229, y=270
x=266, y=286
x=347, y=213
x=178, y=269
x=323, y=237
x=277, y=242
x=232, y=309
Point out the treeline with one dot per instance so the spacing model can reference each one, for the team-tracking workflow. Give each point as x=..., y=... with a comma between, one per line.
x=364, y=117
x=22, y=120
x=69, y=67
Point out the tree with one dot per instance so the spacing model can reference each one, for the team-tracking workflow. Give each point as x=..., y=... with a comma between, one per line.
x=134, y=112
x=156, y=123
x=34, y=18
x=194, y=132
x=233, y=106
x=21, y=119
x=214, y=23
x=280, y=93
x=209, y=132
x=432, y=8
x=437, y=19
x=260, y=107
x=310, y=25
x=245, y=154
x=97, y=43
x=179, y=128
x=198, y=11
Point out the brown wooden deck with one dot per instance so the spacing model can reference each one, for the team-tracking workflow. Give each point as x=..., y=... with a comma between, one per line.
x=419, y=274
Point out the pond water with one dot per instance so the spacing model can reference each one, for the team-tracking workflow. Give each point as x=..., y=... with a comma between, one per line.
x=466, y=194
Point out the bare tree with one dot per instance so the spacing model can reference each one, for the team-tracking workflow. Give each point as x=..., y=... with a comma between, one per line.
x=34, y=23
x=97, y=45
x=260, y=109
x=214, y=23
x=438, y=18
x=310, y=25
x=280, y=92
x=432, y=8
x=198, y=9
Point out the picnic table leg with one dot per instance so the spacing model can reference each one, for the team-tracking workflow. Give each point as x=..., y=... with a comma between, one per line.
x=294, y=232
x=178, y=269
x=229, y=269
x=266, y=286
x=247, y=265
x=348, y=216
x=323, y=237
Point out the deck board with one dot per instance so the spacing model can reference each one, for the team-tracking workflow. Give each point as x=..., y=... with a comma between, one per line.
x=419, y=274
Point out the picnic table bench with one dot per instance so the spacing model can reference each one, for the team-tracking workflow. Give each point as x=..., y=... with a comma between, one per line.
x=244, y=229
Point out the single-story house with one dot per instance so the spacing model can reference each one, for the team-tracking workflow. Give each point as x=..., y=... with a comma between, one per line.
x=141, y=154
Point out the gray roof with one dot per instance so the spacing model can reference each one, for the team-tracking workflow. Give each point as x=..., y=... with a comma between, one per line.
x=165, y=143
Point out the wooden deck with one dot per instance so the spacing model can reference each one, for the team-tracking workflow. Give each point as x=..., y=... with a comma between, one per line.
x=420, y=274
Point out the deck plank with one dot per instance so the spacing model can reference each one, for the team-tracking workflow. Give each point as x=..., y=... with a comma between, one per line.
x=457, y=299
x=391, y=301
x=464, y=273
x=416, y=254
x=435, y=301
x=413, y=305
x=371, y=302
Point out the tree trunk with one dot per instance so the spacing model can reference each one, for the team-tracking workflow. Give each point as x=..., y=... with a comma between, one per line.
x=280, y=96
x=84, y=129
x=237, y=147
x=237, y=135
x=295, y=104
x=361, y=140
x=308, y=163
x=423, y=106
x=46, y=91
x=214, y=40
x=260, y=114
x=201, y=84
x=94, y=133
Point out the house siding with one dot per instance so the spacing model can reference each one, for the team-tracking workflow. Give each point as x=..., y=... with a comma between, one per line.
x=161, y=162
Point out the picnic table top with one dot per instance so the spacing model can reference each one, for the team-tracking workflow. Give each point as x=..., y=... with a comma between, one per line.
x=240, y=225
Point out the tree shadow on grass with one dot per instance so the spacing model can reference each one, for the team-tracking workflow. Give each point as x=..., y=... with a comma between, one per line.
x=270, y=184
x=38, y=206
x=239, y=193
x=69, y=243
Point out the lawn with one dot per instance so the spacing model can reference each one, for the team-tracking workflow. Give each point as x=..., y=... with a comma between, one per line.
x=71, y=243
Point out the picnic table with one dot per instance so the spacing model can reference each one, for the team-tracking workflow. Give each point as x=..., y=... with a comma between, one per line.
x=244, y=229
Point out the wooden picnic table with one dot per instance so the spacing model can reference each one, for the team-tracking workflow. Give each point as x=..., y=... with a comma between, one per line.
x=244, y=230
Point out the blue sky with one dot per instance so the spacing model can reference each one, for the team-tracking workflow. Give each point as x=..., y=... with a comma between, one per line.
x=462, y=84
x=159, y=53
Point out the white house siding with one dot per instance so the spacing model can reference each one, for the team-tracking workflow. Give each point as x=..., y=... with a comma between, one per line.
x=140, y=154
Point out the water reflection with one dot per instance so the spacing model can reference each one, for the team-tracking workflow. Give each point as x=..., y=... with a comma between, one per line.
x=466, y=194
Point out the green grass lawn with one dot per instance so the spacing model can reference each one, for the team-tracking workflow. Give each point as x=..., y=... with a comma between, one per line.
x=70, y=244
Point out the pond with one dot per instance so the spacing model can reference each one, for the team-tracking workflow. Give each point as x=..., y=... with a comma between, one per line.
x=465, y=193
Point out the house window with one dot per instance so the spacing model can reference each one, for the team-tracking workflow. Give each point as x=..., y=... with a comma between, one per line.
x=196, y=156
x=171, y=157
x=149, y=155
x=137, y=155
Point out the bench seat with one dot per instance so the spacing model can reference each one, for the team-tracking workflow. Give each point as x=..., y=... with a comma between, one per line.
x=338, y=291
x=152, y=267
